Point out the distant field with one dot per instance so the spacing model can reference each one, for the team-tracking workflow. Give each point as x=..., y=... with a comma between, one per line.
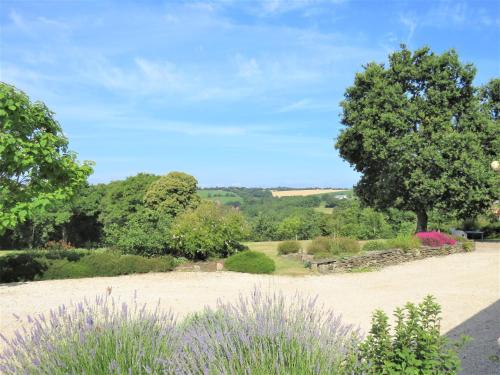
x=220, y=196
x=306, y=192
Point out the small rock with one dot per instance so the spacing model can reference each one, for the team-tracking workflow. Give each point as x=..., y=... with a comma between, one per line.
x=219, y=266
x=196, y=268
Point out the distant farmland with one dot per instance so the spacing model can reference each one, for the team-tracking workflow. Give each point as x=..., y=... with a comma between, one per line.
x=221, y=196
x=303, y=193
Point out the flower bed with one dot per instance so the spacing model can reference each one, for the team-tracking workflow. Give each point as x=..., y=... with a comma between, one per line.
x=435, y=239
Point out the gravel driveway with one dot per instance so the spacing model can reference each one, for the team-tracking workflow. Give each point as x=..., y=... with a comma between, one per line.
x=464, y=285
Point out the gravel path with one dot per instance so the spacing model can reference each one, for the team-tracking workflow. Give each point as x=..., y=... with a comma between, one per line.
x=464, y=285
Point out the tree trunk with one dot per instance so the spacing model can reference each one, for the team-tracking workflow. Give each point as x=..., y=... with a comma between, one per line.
x=64, y=233
x=422, y=221
x=32, y=237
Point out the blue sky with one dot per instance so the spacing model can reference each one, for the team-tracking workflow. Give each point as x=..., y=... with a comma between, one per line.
x=234, y=92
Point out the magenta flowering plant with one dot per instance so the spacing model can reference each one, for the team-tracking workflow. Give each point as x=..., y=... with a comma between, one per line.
x=435, y=239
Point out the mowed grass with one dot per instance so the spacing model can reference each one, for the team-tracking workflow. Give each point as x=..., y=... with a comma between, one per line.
x=220, y=196
x=284, y=265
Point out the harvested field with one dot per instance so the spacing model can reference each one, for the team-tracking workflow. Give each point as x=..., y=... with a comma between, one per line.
x=303, y=193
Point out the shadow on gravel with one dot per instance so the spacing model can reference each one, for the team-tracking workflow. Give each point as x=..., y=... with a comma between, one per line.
x=481, y=356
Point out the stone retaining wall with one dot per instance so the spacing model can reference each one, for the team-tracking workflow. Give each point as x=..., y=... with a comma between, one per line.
x=377, y=259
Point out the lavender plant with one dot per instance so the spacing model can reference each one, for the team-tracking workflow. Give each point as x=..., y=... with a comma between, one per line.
x=98, y=337
x=265, y=334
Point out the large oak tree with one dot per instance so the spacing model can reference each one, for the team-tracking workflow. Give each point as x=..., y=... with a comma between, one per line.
x=418, y=134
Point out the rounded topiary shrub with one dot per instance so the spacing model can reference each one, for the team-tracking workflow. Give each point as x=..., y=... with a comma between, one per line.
x=289, y=247
x=250, y=262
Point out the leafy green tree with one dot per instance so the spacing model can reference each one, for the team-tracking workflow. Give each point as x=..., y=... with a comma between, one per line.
x=121, y=201
x=172, y=194
x=208, y=230
x=289, y=228
x=36, y=167
x=416, y=132
x=146, y=233
x=490, y=98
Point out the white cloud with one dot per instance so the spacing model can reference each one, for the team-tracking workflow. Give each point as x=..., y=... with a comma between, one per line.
x=19, y=21
x=411, y=23
x=248, y=68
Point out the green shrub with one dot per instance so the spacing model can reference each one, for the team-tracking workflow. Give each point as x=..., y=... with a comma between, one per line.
x=20, y=267
x=416, y=347
x=405, y=243
x=250, y=262
x=319, y=245
x=468, y=246
x=344, y=245
x=144, y=234
x=210, y=230
x=64, y=269
x=375, y=245
x=107, y=264
x=333, y=246
x=289, y=247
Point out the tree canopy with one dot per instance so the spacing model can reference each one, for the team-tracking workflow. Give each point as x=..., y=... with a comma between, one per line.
x=172, y=193
x=418, y=133
x=36, y=167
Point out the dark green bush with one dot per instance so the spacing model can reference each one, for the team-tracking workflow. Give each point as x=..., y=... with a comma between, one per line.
x=375, y=245
x=20, y=267
x=250, y=262
x=110, y=264
x=144, y=234
x=289, y=247
x=70, y=255
x=416, y=347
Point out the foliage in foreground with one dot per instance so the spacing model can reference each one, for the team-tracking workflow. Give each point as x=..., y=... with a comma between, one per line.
x=416, y=347
x=262, y=334
x=36, y=167
x=250, y=262
x=252, y=336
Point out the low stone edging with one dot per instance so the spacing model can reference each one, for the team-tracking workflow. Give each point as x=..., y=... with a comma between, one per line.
x=377, y=259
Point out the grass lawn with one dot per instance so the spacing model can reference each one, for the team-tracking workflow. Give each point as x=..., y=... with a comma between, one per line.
x=284, y=266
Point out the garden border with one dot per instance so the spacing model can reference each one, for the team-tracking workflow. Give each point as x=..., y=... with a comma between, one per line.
x=378, y=259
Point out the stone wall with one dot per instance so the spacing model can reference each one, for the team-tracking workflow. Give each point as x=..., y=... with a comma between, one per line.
x=377, y=259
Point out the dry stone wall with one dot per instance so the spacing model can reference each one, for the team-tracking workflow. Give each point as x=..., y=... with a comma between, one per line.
x=378, y=259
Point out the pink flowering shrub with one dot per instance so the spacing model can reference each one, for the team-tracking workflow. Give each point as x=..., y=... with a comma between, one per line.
x=435, y=239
